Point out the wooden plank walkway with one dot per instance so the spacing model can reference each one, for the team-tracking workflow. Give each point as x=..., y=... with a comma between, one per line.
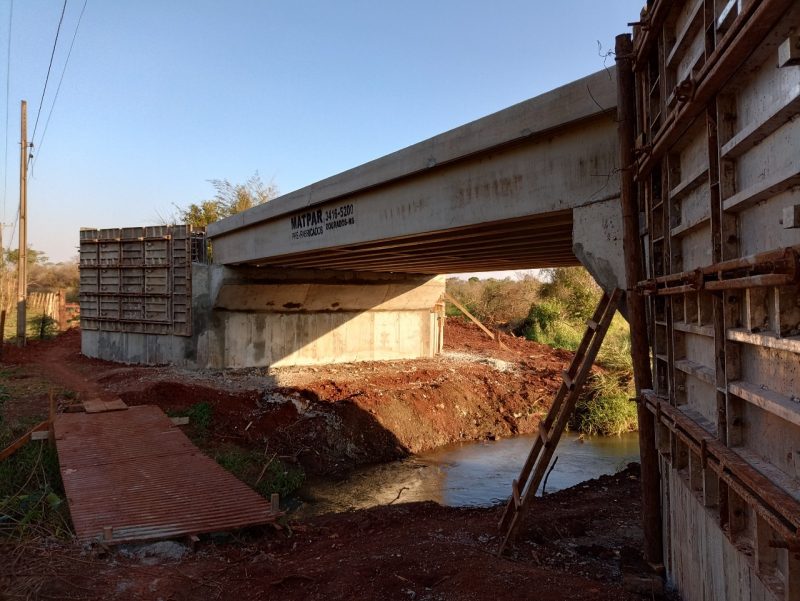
x=132, y=475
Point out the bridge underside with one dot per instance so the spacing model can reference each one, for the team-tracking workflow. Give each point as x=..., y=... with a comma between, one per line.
x=532, y=186
x=529, y=242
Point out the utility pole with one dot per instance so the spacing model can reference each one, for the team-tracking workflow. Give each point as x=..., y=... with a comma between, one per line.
x=22, y=264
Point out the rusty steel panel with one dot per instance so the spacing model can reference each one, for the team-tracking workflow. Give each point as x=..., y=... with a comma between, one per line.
x=132, y=475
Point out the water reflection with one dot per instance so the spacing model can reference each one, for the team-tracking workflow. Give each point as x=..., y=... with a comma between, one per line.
x=469, y=474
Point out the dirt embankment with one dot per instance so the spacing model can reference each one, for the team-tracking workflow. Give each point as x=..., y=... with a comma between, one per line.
x=579, y=544
x=328, y=418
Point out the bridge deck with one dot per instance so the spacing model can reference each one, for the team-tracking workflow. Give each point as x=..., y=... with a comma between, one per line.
x=133, y=475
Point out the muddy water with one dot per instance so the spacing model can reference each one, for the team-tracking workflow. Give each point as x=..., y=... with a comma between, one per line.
x=470, y=474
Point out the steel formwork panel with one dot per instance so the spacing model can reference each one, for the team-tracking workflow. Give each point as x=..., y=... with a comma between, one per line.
x=717, y=138
x=137, y=279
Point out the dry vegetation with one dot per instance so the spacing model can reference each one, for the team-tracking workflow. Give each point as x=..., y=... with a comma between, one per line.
x=553, y=310
x=43, y=276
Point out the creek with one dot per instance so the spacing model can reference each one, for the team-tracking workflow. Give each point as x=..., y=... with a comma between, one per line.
x=469, y=474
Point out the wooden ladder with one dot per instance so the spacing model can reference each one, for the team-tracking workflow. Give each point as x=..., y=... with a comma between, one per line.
x=550, y=430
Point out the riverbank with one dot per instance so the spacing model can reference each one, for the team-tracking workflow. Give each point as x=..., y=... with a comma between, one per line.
x=579, y=544
x=328, y=420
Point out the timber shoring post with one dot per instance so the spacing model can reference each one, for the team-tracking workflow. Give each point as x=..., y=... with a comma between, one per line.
x=650, y=477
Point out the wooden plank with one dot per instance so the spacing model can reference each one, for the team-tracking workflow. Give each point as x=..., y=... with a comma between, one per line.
x=701, y=372
x=94, y=406
x=690, y=183
x=768, y=187
x=766, y=339
x=685, y=37
x=754, y=133
x=98, y=406
x=474, y=319
x=693, y=328
x=23, y=440
x=769, y=400
x=116, y=405
x=687, y=228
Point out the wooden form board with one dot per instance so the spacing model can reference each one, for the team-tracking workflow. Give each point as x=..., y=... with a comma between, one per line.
x=137, y=279
x=718, y=140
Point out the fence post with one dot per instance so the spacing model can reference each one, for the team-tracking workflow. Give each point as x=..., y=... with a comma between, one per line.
x=61, y=314
x=2, y=330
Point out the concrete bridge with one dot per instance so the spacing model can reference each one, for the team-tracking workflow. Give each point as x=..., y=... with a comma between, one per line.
x=533, y=185
x=349, y=268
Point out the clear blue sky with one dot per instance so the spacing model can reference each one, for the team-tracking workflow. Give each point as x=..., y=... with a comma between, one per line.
x=160, y=96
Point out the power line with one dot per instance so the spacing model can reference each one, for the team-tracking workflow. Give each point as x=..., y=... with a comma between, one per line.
x=50, y=66
x=8, y=87
x=58, y=89
x=13, y=231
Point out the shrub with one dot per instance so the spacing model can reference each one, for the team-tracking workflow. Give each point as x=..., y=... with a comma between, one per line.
x=541, y=321
x=200, y=416
x=574, y=289
x=494, y=301
x=607, y=410
x=266, y=475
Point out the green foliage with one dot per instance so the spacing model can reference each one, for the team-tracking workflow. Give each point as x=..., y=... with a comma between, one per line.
x=607, y=409
x=200, y=417
x=615, y=354
x=43, y=325
x=541, y=321
x=265, y=474
x=574, y=289
x=34, y=257
x=31, y=492
x=229, y=199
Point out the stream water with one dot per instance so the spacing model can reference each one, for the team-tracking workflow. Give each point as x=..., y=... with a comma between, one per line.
x=471, y=474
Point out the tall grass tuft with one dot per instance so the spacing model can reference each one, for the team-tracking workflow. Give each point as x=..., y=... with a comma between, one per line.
x=559, y=320
x=607, y=410
x=32, y=500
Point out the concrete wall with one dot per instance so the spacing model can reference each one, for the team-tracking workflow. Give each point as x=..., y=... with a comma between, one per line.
x=261, y=318
x=703, y=563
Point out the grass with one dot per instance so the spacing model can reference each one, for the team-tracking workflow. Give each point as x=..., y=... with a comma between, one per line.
x=606, y=408
x=200, y=417
x=39, y=326
x=32, y=500
x=31, y=492
x=264, y=474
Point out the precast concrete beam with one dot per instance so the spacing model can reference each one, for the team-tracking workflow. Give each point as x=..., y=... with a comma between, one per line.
x=450, y=203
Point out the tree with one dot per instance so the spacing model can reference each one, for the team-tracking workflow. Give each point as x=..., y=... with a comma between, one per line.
x=228, y=200
x=35, y=257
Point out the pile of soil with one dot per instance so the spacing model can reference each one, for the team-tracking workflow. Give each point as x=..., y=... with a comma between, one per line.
x=329, y=418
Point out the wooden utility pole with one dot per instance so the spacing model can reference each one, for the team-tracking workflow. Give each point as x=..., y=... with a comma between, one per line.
x=22, y=263
x=637, y=318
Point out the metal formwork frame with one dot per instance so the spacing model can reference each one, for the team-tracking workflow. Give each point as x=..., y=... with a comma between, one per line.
x=694, y=61
x=138, y=280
